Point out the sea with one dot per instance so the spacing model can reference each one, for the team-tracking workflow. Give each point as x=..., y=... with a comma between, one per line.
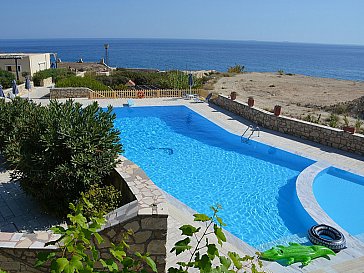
x=319, y=60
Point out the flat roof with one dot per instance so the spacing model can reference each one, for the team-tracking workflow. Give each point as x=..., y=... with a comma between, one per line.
x=18, y=55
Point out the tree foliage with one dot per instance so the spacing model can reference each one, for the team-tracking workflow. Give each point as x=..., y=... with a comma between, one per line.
x=6, y=78
x=60, y=150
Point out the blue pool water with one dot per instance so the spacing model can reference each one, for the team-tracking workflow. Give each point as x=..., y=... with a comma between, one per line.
x=201, y=164
x=341, y=195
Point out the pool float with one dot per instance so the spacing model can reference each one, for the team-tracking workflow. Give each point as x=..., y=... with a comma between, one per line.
x=296, y=253
x=140, y=94
x=336, y=240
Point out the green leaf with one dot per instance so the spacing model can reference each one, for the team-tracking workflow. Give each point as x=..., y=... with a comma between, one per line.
x=212, y=251
x=58, y=230
x=43, y=257
x=201, y=217
x=151, y=263
x=98, y=238
x=219, y=234
x=235, y=258
x=109, y=264
x=61, y=264
x=118, y=254
x=205, y=263
x=182, y=246
x=226, y=262
x=189, y=230
x=220, y=221
x=75, y=263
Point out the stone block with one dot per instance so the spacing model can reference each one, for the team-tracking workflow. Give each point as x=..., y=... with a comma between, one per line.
x=137, y=248
x=134, y=226
x=154, y=223
x=142, y=237
x=157, y=247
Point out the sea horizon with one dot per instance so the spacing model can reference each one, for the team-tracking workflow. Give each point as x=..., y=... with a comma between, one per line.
x=336, y=61
x=179, y=39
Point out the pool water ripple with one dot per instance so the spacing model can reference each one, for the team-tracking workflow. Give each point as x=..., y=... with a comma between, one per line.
x=202, y=165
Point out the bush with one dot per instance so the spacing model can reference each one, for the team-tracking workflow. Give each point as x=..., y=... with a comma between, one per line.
x=6, y=78
x=104, y=199
x=87, y=81
x=236, y=69
x=164, y=80
x=56, y=74
x=333, y=120
x=59, y=150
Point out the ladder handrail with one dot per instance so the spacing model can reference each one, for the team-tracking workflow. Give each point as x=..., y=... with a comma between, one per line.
x=253, y=129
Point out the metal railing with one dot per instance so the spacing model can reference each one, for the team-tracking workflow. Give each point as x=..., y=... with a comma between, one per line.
x=252, y=129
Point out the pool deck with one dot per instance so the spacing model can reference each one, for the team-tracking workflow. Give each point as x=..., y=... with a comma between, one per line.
x=350, y=260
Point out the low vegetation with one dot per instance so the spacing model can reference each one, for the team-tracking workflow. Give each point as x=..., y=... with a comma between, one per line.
x=86, y=81
x=164, y=80
x=58, y=151
x=236, y=69
x=55, y=74
x=6, y=78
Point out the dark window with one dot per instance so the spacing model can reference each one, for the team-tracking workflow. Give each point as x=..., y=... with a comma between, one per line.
x=19, y=68
x=8, y=68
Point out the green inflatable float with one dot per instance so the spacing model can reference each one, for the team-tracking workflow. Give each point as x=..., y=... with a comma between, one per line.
x=296, y=253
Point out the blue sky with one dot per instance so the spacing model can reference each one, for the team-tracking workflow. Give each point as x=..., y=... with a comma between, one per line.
x=313, y=21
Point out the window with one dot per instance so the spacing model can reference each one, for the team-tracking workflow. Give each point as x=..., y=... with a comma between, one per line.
x=19, y=68
x=8, y=68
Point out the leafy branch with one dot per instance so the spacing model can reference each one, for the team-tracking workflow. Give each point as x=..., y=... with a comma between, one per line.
x=211, y=260
x=78, y=253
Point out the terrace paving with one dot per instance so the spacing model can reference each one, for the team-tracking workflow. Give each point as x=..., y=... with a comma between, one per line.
x=19, y=212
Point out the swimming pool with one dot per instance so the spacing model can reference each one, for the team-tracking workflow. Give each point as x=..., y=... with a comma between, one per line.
x=341, y=195
x=201, y=164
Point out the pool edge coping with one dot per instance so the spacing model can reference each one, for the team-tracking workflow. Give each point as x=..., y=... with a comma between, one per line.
x=304, y=191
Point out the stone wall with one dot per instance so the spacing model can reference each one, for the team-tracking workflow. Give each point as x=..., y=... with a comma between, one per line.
x=145, y=213
x=69, y=92
x=325, y=135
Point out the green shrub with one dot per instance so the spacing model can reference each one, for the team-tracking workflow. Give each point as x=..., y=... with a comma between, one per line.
x=358, y=124
x=87, y=81
x=173, y=79
x=60, y=150
x=6, y=78
x=236, y=69
x=56, y=74
x=333, y=120
x=79, y=253
x=104, y=199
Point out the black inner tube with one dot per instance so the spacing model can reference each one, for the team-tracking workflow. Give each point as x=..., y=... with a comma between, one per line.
x=336, y=240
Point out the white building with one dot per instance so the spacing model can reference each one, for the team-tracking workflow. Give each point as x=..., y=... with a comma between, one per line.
x=18, y=63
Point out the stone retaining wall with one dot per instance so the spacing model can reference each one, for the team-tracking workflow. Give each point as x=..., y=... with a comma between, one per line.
x=325, y=135
x=146, y=214
x=69, y=92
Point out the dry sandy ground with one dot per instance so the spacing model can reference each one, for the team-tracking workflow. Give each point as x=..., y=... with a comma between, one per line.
x=297, y=94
